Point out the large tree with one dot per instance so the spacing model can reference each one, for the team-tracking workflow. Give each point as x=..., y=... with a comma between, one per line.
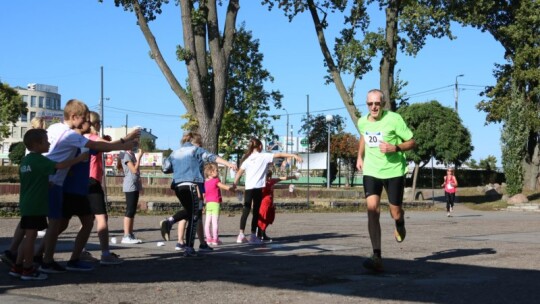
x=11, y=108
x=205, y=48
x=515, y=24
x=407, y=25
x=247, y=102
x=438, y=132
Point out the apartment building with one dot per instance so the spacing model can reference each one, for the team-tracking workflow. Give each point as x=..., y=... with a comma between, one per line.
x=43, y=101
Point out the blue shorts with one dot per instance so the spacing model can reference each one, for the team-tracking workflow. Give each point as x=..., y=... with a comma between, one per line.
x=56, y=197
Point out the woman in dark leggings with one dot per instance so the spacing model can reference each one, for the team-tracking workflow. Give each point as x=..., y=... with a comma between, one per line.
x=450, y=186
x=185, y=164
x=255, y=164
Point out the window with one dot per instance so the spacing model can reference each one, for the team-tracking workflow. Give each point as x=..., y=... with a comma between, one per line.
x=32, y=115
x=25, y=99
x=15, y=133
x=24, y=118
x=41, y=101
x=33, y=101
x=48, y=103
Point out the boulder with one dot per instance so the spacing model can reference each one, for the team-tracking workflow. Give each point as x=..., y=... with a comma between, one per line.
x=519, y=198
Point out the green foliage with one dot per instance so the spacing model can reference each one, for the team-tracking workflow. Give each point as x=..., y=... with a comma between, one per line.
x=11, y=108
x=318, y=130
x=247, y=102
x=16, y=152
x=438, y=132
x=513, y=136
x=489, y=163
x=147, y=145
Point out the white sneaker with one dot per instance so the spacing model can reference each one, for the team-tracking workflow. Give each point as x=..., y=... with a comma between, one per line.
x=41, y=233
x=241, y=239
x=254, y=240
x=128, y=239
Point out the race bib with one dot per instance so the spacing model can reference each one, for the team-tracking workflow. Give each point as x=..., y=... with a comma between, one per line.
x=373, y=139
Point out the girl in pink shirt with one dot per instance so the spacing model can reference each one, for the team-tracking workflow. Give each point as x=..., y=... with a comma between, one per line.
x=450, y=186
x=212, y=195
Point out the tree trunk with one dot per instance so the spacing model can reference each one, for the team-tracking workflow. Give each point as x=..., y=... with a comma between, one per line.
x=531, y=164
x=334, y=71
x=388, y=61
x=415, y=176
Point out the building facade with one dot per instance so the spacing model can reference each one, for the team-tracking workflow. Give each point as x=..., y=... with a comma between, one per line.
x=42, y=101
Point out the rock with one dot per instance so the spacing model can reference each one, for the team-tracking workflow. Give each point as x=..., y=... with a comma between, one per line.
x=519, y=198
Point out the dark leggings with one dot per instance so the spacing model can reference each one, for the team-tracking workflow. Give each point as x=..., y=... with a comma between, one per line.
x=188, y=197
x=255, y=196
x=132, y=199
x=450, y=198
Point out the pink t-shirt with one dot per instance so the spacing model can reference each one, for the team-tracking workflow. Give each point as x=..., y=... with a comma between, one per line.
x=96, y=162
x=212, y=192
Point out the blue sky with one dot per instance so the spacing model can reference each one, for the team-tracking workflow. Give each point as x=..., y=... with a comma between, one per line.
x=64, y=43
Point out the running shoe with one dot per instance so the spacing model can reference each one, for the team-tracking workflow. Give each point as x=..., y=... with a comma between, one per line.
x=241, y=239
x=180, y=247
x=16, y=271
x=265, y=238
x=374, y=263
x=130, y=239
x=77, y=265
x=33, y=274
x=111, y=259
x=400, y=233
x=52, y=267
x=191, y=253
x=165, y=227
x=205, y=248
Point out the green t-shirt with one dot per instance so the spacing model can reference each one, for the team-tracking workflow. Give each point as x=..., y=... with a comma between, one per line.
x=392, y=129
x=34, y=172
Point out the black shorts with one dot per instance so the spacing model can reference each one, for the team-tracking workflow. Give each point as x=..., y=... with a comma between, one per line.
x=96, y=197
x=34, y=222
x=75, y=204
x=394, y=188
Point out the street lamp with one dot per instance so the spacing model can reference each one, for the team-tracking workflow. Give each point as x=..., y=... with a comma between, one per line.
x=287, y=132
x=456, y=91
x=329, y=119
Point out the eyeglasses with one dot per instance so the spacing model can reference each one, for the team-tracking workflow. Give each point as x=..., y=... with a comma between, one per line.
x=376, y=103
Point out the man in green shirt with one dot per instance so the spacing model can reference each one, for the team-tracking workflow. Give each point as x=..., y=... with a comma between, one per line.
x=383, y=138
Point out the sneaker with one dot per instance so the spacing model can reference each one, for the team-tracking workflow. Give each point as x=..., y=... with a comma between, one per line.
x=16, y=271
x=165, y=227
x=189, y=252
x=41, y=233
x=87, y=256
x=111, y=259
x=33, y=274
x=180, y=247
x=130, y=239
x=254, y=240
x=400, y=233
x=215, y=242
x=241, y=239
x=210, y=241
x=373, y=263
x=77, y=265
x=451, y=209
x=52, y=267
x=205, y=248
x=448, y=214
x=8, y=258
x=266, y=238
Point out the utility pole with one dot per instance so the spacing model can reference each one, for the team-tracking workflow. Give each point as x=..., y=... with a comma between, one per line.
x=456, y=92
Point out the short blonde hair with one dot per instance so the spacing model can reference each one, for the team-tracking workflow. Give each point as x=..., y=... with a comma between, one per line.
x=75, y=107
x=37, y=123
x=209, y=168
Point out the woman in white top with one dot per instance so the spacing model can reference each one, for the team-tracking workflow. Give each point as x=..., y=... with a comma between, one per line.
x=255, y=164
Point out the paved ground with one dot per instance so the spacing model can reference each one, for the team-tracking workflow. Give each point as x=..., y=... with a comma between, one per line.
x=472, y=257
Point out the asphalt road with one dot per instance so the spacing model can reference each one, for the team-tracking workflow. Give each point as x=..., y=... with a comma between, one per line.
x=471, y=257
